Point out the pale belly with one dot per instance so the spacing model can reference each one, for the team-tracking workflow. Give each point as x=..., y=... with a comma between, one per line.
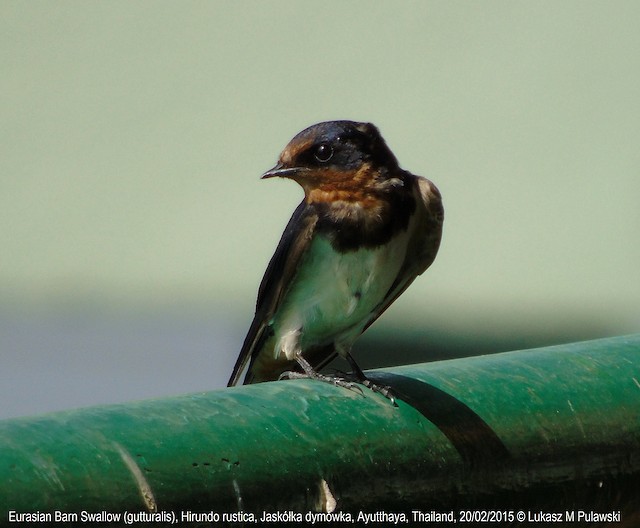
x=333, y=295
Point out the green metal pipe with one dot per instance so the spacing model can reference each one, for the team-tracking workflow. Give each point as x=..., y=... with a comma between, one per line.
x=555, y=428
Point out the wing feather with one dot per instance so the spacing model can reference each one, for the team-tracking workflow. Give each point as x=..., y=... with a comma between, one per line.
x=279, y=275
x=423, y=245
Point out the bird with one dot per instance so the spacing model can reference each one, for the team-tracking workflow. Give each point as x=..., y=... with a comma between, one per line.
x=363, y=232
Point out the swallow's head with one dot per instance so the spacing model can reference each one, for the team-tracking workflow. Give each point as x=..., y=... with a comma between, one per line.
x=337, y=156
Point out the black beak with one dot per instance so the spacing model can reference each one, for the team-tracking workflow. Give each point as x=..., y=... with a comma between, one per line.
x=282, y=171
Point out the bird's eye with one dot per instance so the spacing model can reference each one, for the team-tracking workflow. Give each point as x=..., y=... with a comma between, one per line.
x=323, y=152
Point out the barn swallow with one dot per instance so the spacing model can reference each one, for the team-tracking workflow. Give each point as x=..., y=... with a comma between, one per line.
x=364, y=231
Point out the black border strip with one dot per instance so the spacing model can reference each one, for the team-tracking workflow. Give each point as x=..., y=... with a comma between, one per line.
x=477, y=444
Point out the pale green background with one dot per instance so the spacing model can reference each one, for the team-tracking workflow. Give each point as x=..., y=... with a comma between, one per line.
x=133, y=135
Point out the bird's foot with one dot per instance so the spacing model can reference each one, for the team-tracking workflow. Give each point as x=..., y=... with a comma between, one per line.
x=361, y=379
x=385, y=390
x=333, y=380
x=348, y=381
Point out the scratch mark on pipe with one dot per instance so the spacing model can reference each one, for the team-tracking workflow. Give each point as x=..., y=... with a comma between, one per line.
x=48, y=470
x=145, y=489
x=578, y=421
x=636, y=382
x=236, y=488
x=327, y=502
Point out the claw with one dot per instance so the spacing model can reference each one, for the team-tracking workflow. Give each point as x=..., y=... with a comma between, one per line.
x=385, y=390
